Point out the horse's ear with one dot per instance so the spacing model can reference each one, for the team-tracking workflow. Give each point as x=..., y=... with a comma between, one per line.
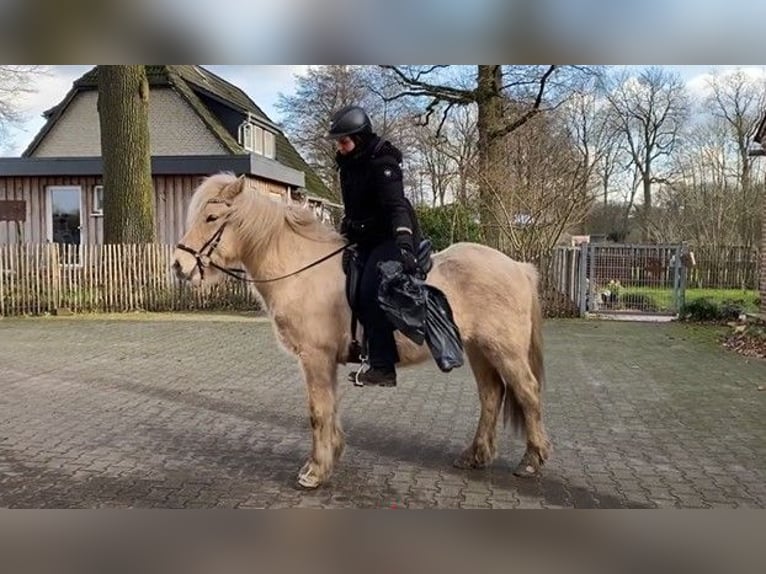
x=235, y=188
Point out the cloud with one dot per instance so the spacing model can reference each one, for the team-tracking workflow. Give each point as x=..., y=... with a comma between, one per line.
x=699, y=85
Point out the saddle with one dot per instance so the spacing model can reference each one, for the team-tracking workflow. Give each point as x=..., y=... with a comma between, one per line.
x=353, y=270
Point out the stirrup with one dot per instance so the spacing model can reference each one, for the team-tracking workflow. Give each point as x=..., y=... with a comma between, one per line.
x=360, y=370
x=355, y=354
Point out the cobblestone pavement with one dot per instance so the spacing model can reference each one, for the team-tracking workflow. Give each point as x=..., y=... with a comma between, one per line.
x=201, y=412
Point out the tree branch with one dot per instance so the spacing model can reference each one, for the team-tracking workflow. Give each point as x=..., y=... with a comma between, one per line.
x=435, y=90
x=444, y=119
x=529, y=114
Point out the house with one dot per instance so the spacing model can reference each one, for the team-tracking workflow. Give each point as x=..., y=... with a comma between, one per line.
x=760, y=139
x=199, y=124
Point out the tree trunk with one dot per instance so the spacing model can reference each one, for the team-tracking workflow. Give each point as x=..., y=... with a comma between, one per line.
x=123, y=108
x=646, y=212
x=489, y=102
x=763, y=254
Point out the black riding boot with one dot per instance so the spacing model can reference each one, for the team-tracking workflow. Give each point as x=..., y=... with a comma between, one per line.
x=379, y=376
x=379, y=331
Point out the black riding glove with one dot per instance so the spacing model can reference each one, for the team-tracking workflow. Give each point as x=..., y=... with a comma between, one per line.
x=409, y=261
x=348, y=259
x=345, y=227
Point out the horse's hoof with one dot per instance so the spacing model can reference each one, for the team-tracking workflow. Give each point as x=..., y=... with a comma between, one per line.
x=529, y=467
x=467, y=461
x=462, y=463
x=307, y=477
x=308, y=481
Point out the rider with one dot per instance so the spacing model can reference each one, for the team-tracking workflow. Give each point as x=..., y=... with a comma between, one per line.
x=380, y=220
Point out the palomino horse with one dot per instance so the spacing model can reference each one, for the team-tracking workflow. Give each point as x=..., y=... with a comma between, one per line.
x=493, y=299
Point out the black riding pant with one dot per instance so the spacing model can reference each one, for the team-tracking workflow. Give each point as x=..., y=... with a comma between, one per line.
x=379, y=330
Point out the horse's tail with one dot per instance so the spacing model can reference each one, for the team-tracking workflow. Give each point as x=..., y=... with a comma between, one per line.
x=536, y=340
x=512, y=410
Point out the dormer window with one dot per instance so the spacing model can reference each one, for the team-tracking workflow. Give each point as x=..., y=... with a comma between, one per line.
x=256, y=139
x=269, y=145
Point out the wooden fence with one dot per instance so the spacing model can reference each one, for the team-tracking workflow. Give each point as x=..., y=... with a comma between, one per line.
x=50, y=278
x=724, y=267
x=36, y=279
x=560, y=282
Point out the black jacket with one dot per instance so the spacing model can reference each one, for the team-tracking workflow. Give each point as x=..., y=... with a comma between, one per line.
x=373, y=195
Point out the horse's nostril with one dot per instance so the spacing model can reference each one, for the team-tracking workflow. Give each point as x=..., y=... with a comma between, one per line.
x=177, y=270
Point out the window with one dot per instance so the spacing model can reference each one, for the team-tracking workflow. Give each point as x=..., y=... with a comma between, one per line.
x=257, y=139
x=269, y=145
x=98, y=201
x=245, y=136
x=65, y=222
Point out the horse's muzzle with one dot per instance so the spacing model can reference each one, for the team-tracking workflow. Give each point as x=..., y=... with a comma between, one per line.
x=179, y=272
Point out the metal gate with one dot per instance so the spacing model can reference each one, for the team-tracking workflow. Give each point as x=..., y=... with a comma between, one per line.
x=631, y=279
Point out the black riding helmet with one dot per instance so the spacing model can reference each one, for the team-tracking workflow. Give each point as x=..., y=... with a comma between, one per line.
x=350, y=120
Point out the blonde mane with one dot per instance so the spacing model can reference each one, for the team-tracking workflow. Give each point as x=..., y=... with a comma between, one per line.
x=259, y=217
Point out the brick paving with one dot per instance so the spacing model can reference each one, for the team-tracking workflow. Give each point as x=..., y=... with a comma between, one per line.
x=198, y=412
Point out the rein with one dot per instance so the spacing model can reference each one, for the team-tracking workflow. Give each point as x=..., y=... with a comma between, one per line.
x=212, y=243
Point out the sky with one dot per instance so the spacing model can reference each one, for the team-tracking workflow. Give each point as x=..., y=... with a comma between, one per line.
x=262, y=83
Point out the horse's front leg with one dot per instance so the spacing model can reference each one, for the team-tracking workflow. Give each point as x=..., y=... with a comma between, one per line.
x=320, y=372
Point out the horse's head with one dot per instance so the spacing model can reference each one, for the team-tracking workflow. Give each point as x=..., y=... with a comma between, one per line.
x=210, y=241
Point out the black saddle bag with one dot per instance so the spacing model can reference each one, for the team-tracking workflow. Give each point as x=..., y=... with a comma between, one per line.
x=422, y=313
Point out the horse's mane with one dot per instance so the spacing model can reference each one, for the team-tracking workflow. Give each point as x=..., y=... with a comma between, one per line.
x=260, y=217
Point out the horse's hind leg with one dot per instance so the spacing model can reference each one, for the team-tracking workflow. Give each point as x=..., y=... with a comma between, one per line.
x=338, y=437
x=327, y=437
x=525, y=397
x=482, y=450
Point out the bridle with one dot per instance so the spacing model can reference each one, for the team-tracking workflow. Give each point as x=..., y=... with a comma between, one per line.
x=206, y=251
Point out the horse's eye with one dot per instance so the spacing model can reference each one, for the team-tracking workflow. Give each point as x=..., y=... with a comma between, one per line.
x=211, y=218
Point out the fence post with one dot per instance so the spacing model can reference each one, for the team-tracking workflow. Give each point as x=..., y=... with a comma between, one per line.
x=583, y=278
x=680, y=280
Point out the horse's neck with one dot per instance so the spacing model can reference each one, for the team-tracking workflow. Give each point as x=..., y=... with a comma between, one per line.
x=285, y=253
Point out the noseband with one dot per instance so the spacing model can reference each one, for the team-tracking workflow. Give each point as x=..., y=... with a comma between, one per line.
x=206, y=251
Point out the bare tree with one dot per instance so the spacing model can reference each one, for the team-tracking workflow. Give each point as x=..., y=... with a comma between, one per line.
x=435, y=169
x=444, y=157
x=123, y=109
x=15, y=82
x=505, y=97
x=306, y=114
x=649, y=111
x=549, y=186
x=460, y=144
x=700, y=205
x=738, y=101
x=590, y=124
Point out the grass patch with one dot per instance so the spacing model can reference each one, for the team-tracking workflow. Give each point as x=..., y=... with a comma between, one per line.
x=662, y=298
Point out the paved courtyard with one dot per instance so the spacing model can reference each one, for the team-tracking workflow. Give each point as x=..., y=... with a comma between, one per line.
x=199, y=411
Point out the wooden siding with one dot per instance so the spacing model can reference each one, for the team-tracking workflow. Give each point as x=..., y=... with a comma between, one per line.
x=172, y=197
